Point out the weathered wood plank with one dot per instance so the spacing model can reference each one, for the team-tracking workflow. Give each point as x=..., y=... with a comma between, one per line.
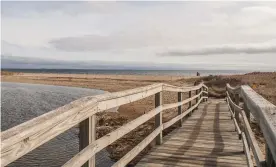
x=187, y=161
x=199, y=157
x=202, y=153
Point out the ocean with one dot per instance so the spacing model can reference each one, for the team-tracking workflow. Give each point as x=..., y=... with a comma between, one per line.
x=132, y=72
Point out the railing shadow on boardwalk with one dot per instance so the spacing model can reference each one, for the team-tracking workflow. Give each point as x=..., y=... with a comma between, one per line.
x=183, y=152
x=192, y=138
x=219, y=146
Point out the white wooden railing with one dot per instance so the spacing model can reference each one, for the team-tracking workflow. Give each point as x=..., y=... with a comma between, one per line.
x=264, y=113
x=24, y=138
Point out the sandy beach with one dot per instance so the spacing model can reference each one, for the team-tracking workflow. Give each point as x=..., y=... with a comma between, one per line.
x=263, y=83
x=110, y=83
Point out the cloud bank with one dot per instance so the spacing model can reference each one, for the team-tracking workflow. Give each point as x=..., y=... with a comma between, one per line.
x=225, y=49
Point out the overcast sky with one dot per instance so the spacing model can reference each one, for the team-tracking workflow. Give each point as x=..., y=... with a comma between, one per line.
x=203, y=34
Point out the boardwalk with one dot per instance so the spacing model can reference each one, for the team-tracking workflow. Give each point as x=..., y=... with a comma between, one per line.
x=207, y=138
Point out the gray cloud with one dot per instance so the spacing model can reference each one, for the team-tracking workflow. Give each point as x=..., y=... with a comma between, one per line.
x=115, y=41
x=225, y=49
x=84, y=43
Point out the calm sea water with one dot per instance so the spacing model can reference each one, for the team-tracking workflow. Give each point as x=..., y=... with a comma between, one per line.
x=132, y=72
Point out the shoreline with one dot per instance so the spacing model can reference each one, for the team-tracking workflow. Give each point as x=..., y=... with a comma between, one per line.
x=111, y=83
x=150, y=72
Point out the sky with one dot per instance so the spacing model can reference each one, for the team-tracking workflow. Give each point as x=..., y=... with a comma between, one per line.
x=209, y=35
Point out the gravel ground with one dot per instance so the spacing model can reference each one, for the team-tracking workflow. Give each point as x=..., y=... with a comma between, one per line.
x=22, y=102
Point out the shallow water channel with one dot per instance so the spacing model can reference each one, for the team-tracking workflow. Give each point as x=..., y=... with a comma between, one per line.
x=21, y=102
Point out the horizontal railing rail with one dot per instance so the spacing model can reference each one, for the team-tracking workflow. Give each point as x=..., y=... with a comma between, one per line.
x=21, y=139
x=263, y=112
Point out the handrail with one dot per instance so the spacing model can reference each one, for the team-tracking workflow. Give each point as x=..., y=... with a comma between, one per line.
x=27, y=136
x=247, y=129
x=264, y=113
x=233, y=90
x=230, y=102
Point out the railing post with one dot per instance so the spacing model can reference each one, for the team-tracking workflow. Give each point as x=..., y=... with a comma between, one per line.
x=199, y=93
x=158, y=117
x=197, y=97
x=87, y=136
x=190, y=102
x=269, y=159
x=237, y=101
x=204, y=94
x=179, y=97
x=247, y=111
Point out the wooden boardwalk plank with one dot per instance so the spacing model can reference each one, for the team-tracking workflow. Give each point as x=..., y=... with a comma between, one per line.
x=207, y=138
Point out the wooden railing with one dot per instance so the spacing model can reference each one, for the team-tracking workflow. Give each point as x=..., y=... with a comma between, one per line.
x=21, y=139
x=264, y=113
